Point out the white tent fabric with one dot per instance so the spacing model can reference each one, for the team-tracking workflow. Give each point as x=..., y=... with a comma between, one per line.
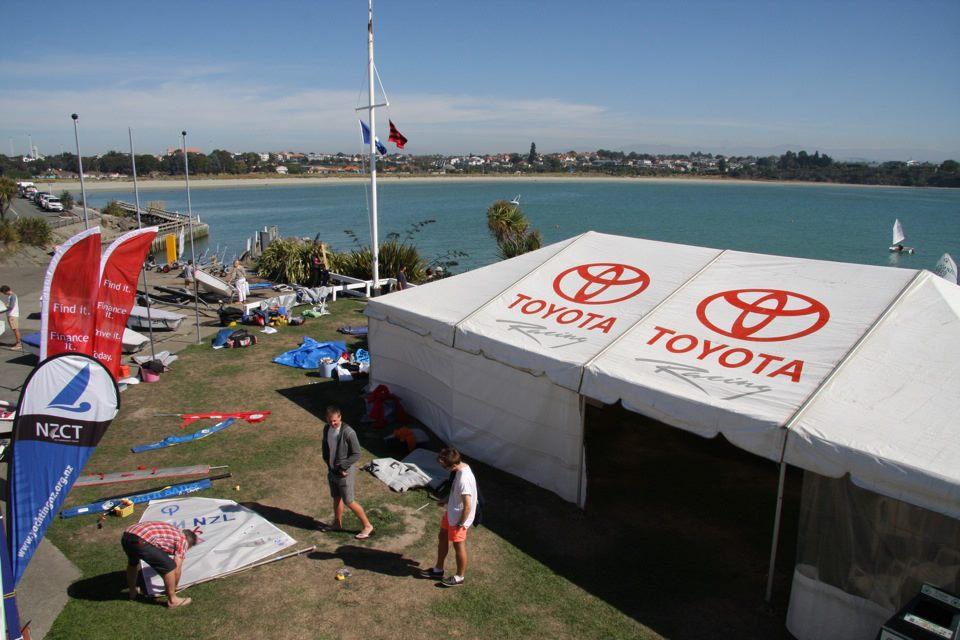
x=509, y=419
x=564, y=312
x=435, y=310
x=743, y=345
x=709, y=341
x=889, y=417
x=232, y=537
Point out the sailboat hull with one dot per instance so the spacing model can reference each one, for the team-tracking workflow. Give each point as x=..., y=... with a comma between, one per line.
x=895, y=249
x=213, y=284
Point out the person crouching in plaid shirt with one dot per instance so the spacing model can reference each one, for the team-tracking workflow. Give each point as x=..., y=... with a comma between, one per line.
x=163, y=547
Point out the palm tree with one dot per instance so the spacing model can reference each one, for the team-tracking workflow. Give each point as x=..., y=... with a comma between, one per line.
x=505, y=220
x=511, y=230
x=8, y=189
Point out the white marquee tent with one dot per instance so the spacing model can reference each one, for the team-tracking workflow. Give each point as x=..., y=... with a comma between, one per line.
x=835, y=368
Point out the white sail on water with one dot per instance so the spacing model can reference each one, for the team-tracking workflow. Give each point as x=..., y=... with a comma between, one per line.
x=898, y=236
x=947, y=269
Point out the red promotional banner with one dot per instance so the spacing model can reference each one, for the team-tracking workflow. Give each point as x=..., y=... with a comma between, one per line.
x=67, y=317
x=119, y=270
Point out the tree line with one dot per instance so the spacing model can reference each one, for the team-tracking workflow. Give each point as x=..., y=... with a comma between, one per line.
x=800, y=165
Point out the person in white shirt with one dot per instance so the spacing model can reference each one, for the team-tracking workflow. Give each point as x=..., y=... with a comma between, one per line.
x=13, y=315
x=461, y=508
x=238, y=278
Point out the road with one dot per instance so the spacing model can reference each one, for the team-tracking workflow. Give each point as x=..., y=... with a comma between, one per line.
x=23, y=208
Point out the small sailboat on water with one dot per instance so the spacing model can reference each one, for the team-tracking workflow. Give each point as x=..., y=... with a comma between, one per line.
x=898, y=238
x=516, y=200
x=947, y=269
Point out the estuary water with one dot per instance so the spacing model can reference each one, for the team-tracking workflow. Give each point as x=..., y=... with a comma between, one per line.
x=847, y=224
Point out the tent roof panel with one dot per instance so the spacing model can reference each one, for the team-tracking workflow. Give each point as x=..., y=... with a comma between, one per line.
x=889, y=415
x=745, y=343
x=576, y=303
x=436, y=307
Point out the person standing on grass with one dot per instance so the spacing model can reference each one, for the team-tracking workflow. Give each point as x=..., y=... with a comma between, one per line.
x=163, y=547
x=13, y=316
x=461, y=507
x=341, y=452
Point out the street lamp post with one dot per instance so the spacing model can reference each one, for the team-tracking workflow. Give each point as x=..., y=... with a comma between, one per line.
x=193, y=253
x=83, y=190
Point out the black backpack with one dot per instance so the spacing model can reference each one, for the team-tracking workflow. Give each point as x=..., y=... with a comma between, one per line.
x=478, y=512
x=230, y=314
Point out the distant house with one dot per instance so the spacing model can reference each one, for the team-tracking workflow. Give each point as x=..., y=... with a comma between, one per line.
x=282, y=169
x=175, y=150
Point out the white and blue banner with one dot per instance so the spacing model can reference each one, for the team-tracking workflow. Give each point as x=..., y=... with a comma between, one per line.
x=65, y=407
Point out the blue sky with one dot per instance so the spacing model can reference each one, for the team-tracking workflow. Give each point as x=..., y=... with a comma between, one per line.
x=857, y=79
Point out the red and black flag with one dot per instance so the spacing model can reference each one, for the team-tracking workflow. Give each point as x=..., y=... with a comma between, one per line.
x=396, y=137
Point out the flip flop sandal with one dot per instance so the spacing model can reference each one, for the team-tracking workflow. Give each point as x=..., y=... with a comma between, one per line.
x=364, y=536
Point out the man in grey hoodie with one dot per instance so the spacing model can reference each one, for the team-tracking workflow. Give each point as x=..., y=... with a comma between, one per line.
x=341, y=452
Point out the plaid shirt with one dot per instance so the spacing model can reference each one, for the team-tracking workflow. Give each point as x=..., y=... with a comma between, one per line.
x=165, y=537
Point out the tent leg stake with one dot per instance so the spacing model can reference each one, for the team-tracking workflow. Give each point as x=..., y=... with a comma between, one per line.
x=776, y=531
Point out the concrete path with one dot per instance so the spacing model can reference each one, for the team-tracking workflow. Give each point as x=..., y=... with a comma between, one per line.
x=42, y=593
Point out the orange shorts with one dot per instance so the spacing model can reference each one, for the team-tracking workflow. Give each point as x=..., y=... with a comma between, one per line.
x=454, y=534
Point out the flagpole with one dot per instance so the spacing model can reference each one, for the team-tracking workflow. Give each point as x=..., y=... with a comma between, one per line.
x=193, y=254
x=136, y=196
x=375, y=244
x=83, y=190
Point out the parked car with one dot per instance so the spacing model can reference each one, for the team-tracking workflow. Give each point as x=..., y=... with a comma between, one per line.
x=52, y=203
x=41, y=197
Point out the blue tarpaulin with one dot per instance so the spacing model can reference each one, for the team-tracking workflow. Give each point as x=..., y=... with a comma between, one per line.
x=309, y=354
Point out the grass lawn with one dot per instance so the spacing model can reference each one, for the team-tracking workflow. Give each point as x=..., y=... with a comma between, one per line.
x=532, y=572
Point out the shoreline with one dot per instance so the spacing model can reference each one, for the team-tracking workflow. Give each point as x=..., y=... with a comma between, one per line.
x=222, y=183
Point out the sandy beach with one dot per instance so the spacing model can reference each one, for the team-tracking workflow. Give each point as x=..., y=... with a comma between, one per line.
x=223, y=183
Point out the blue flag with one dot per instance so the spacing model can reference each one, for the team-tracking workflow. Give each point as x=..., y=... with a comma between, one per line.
x=65, y=407
x=365, y=136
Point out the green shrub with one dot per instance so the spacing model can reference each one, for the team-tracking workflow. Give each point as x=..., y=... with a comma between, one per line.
x=358, y=263
x=113, y=209
x=34, y=231
x=8, y=233
x=286, y=260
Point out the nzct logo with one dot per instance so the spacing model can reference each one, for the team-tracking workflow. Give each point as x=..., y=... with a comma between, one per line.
x=762, y=315
x=69, y=397
x=600, y=283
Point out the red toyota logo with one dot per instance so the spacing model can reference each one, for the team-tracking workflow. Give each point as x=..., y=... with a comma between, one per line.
x=788, y=315
x=600, y=283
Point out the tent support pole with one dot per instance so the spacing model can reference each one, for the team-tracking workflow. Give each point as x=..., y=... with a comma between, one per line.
x=776, y=530
x=581, y=479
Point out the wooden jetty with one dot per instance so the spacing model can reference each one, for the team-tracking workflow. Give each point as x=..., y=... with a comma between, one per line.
x=170, y=222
